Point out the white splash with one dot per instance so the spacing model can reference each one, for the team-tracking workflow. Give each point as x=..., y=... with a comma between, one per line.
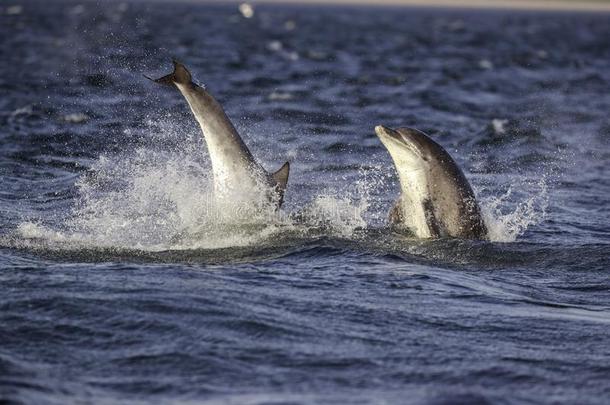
x=337, y=216
x=161, y=197
x=506, y=220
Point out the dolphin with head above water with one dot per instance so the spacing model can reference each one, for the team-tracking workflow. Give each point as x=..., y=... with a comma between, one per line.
x=436, y=200
x=234, y=168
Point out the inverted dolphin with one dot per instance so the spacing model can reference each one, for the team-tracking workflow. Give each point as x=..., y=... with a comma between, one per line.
x=234, y=168
x=436, y=200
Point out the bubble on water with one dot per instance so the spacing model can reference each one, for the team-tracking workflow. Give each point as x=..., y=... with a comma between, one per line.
x=275, y=46
x=280, y=96
x=75, y=118
x=486, y=64
x=499, y=126
x=290, y=25
x=246, y=10
x=78, y=9
x=14, y=10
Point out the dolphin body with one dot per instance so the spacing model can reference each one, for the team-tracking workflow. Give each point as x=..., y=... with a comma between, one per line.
x=236, y=172
x=436, y=200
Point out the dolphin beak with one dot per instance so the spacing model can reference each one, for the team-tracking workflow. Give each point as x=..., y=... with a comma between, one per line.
x=385, y=133
x=380, y=129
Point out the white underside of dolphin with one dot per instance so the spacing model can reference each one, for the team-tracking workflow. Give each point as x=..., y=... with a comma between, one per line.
x=236, y=173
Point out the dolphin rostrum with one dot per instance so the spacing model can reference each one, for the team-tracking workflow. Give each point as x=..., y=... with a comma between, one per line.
x=436, y=200
x=234, y=168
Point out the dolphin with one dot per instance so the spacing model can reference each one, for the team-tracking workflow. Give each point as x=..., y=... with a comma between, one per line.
x=436, y=200
x=234, y=169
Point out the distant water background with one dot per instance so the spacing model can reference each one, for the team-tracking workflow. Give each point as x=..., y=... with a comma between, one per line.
x=118, y=285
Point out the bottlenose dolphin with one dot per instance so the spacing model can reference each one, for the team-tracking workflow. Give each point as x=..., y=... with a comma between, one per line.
x=436, y=200
x=235, y=170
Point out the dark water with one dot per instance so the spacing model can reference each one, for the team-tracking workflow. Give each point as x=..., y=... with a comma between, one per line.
x=117, y=286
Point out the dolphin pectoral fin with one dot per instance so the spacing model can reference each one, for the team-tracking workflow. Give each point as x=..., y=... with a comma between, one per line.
x=431, y=221
x=180, y=75
x=281, y=179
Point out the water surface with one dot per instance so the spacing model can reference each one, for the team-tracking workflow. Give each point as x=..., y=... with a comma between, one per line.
x=121, y=284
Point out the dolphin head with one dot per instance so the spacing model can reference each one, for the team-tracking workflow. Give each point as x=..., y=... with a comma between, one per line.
x=409, y=148
x=436, y=198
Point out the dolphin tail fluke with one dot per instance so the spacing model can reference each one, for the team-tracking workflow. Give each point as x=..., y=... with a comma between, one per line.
x=180, y=75
x=281, y=179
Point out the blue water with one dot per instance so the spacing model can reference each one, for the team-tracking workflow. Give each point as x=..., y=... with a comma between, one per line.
x=119, y=284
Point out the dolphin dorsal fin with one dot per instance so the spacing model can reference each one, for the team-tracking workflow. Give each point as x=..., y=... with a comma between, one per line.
x=180, y=75
x=281, y=179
